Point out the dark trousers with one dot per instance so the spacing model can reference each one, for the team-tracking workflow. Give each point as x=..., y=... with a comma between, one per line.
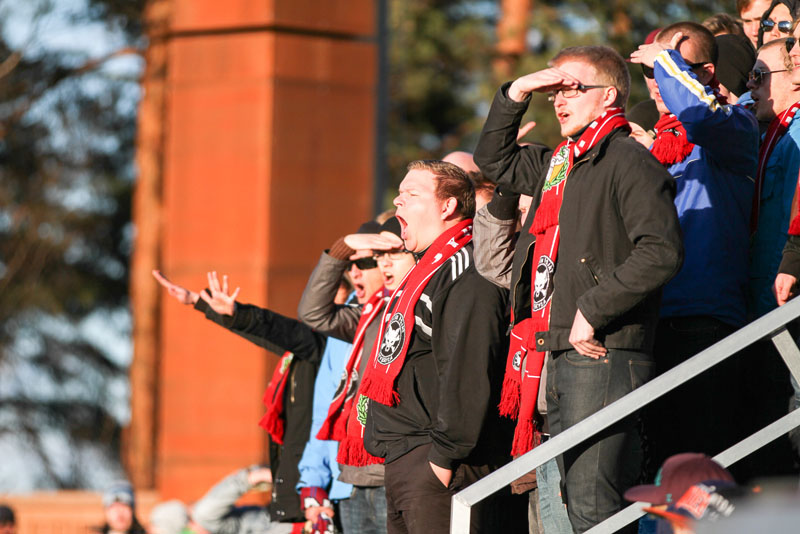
x=596, y=473
x=418, y=503
x=704, y=414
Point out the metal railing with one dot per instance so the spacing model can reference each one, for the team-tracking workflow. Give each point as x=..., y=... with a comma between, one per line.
x=772, y=325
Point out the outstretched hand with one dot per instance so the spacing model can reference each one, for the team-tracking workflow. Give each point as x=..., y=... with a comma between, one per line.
x=181, y=294
x=646, y=54
x=217, y=295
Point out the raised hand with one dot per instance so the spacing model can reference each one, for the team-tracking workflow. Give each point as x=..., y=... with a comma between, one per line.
x=217, y=295
x=181, y=294
x=542, y=81
x=646, y=54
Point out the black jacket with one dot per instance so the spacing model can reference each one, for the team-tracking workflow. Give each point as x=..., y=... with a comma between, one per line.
x=279, y=334
x=620, y=238
x=449, y=385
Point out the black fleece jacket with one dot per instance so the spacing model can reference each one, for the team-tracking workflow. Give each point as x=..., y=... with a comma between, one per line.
x=620, y=239
x=449, y=385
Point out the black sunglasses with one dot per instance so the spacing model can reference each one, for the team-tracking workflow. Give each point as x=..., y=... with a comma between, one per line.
x=784, y=26
x=757, y=75
x=790, y=41
x=363, y=264
x=650, y=74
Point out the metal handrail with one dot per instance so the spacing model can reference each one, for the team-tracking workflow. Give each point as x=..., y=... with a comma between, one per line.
x=772, y=324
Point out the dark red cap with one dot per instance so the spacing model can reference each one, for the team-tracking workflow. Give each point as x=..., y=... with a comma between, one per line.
x=678, y=474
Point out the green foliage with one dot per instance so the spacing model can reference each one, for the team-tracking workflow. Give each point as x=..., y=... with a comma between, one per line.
x=66, y=173
x=441, y=53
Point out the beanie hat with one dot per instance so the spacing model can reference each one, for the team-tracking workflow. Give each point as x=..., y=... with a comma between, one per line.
x=120, y=491
x=736, y=59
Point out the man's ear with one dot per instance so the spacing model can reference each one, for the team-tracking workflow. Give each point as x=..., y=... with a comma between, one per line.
x=707, y=73
x=449, y=208
x=610, y=96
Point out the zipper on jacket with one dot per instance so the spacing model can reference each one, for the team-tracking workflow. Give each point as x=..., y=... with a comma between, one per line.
x=591, y=271
x=292, y=385
x=514, y=289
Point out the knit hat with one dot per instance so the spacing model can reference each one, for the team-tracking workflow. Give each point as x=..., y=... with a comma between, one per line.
x=736, y=59
x=384, y=237
x=7, y=515
x=120, y=491
x=169, y=517
x=678, y=474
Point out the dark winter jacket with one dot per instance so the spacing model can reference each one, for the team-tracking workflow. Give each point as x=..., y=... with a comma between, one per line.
x=449, y=385
x=620, y=238
x=279, y=334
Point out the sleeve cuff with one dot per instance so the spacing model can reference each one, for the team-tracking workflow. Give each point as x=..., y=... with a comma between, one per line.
x=503, y=205
x=340, y=250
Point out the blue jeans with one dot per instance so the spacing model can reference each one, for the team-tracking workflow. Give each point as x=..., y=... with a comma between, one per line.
x=551, y=506
x=596, y=472
x=365, y=511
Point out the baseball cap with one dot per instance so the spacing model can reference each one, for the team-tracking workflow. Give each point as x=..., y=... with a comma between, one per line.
x=676, y=476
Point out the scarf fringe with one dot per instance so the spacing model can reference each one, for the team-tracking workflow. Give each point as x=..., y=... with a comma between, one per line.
x=380, y=390
x=523, y=437
x=510, y=398
x=352, y=452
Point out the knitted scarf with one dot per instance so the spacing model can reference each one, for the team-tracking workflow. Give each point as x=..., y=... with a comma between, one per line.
x=334, y=427
x=521, y=389
x=274, y=420
x=671, y=145
x=777, y=128
x=389, y=352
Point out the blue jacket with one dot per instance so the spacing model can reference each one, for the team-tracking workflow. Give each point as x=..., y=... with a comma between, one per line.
x=766, y=248
x=714, y=196
x=318, y=466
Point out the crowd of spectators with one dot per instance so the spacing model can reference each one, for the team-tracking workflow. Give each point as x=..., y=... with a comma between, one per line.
x=512, y=295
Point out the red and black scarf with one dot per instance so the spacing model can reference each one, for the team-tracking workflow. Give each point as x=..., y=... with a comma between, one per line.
x=777, y=128
x=334, y=427
x=394, y=336
x=274, y=420
x=521, y=389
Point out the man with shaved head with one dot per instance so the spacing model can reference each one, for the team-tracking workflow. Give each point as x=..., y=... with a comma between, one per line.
x=710, y=148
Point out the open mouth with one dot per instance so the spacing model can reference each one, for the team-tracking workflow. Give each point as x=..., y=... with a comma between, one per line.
x=359, y=289
x=562, y=117
x=388, y=278
x=403, y=226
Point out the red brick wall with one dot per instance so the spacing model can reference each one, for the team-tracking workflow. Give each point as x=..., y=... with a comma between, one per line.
x=269, y=158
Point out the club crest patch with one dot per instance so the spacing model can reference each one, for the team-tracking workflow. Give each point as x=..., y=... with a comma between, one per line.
x=543, y=283
x=393, y=339
x=557, y=173
x=516, y=363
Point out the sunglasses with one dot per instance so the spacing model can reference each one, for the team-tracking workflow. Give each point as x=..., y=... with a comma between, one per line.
x=757, y=75
x=649, y=73
x=363, y=264
x=784, y=26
